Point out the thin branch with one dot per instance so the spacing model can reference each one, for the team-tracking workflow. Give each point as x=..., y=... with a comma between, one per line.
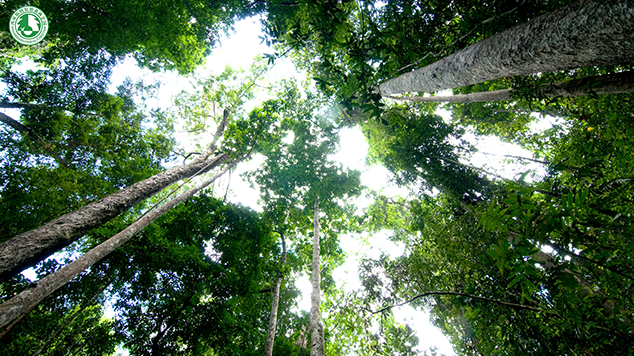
x=508, y=304
x=27, y=132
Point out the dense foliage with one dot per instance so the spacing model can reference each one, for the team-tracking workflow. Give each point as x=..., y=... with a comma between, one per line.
x=539, y=264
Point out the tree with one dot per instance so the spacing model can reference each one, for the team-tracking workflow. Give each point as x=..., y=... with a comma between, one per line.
x=316, y=324
x=492, y=284
x=198, y=277
x=298, y=175
x=65, y=229
x=419, y=148
x=88, y=132
x=564, y=39
x=71, y=320
x=28, y=299
x=275, y=302
x=23, y=250
x=617, y=83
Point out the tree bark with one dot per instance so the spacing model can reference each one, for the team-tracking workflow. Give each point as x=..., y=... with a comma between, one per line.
x=49, y=284
x=490, y=300
x=26, y=132
x=26, y=249
x=584, y=33
x=617, y=83
x=270, y=338
x=316, y=325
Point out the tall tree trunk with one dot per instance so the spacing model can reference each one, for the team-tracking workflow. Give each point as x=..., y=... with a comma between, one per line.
x=27, y=132
x=584, y=33
x=616, y=83
x=26, y=249
x=316, y=325
x=270, y=338
x=49, y=284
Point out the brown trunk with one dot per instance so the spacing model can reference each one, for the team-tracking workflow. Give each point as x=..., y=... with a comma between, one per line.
x=22, y=302
x=584, y=33
x=616, y=83
x=316, y=325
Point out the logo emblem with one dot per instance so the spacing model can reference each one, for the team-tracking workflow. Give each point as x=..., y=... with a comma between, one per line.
x=28, y=25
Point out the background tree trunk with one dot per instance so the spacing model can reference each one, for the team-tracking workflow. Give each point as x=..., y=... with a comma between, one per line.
x=584, y=33
x=270, y=338
x=22, y=302
x=316, y=326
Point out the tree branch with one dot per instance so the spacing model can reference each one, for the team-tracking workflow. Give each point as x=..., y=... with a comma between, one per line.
x=27, y=132
x=508, y=304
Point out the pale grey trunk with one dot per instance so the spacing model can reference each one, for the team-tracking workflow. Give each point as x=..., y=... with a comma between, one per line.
x=617, y=83
x=316, y=326
x=22, y=302
x=584, y=33
x=270, y=338
x=26, y=249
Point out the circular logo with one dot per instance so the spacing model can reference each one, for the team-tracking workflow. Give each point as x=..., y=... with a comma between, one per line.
x=28, y=25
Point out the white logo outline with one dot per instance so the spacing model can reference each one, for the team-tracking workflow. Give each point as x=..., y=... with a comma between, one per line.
x=28, y=25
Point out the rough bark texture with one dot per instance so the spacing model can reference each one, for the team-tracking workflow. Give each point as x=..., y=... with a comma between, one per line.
x=26, y=132
x=584, y=33
x=617, y=83
x=26, y=249
x=316, y=325
x=270, y=338
x=22, y=302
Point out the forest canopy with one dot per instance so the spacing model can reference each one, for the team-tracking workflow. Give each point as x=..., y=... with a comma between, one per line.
x=116, y=238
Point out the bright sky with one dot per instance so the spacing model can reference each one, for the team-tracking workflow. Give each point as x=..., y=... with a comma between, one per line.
x=238, y=51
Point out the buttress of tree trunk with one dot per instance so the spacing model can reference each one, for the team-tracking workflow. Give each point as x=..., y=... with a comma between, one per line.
x=316, y=325
x=22, y=302
x=584, y=33
x=270, y=338
x=617, y=83
x=26, y=132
